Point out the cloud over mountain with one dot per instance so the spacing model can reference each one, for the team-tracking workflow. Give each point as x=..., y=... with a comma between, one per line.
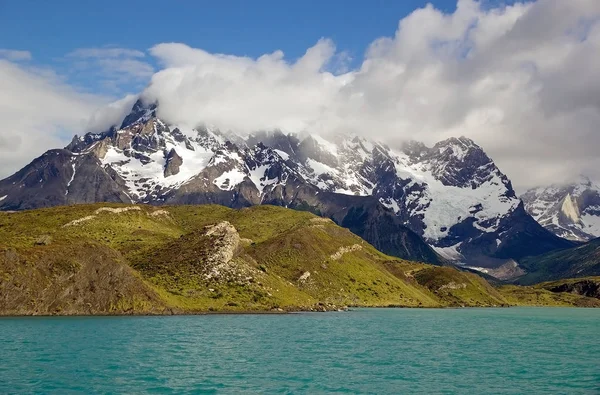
x=522, y=80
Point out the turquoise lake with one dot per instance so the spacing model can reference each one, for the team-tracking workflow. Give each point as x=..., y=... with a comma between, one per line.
x=476, y=351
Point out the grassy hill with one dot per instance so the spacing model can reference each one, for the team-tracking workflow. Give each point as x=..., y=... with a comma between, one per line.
x=124, y=259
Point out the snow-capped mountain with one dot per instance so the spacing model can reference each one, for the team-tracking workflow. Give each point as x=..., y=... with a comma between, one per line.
x=571, y=211
x=451, y=195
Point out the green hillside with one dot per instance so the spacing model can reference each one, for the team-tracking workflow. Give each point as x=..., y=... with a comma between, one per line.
x=124, y=259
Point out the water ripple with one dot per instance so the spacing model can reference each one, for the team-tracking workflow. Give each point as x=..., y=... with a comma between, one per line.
x=492, y=351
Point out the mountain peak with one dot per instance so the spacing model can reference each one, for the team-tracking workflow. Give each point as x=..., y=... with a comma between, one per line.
x=458, y=147
x=140, y=112
x=458, y=140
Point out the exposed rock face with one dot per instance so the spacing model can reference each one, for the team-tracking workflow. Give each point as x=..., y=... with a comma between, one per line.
x=60, y=177
x=160, y=213
x=304, y=277
x=79, y=221
x=139, y=112
x=172, y=163
x=452, y=286
x=404, y=201
x=118, y=210
x=226, y=243
x=344, y=250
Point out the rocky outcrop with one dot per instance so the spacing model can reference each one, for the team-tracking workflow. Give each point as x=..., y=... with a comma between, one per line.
x=226, y=242
x=172, y=163
x=117, y=210
x=210, y=257
x=79, y=221
x=452, y=286
x=304, y=277
x=43, y=240
x=345, y=250
x=159, y=213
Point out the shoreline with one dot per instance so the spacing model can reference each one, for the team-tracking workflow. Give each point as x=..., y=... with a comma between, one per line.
x=282, y=313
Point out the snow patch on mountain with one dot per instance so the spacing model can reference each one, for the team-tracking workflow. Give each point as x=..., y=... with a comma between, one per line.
x=260, y=179
x=391, y=204
x=326, y=144
x=318, y=168
x=229, y=179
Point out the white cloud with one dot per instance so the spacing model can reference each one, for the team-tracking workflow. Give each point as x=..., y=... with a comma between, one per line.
x=241, y=93
x=38, y=112
x=14, y=55
x=110, y=115
x=521, y=80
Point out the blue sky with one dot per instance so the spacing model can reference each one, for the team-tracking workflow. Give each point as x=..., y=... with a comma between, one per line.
x=230, y=26
x=50, y=30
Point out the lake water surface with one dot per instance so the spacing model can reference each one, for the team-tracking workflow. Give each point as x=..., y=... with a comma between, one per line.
x=477, y=351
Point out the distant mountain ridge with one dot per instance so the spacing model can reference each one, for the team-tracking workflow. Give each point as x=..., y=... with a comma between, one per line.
x=450, y=197
x=571, y=211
